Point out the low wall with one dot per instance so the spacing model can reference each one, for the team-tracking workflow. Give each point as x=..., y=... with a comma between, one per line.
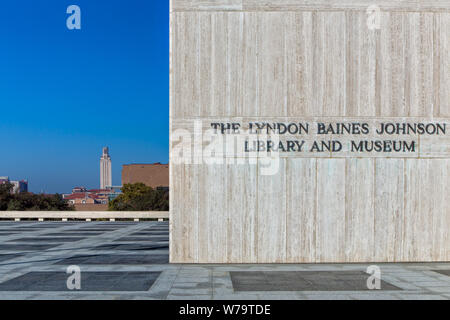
x=91, y=207
x=88, y=215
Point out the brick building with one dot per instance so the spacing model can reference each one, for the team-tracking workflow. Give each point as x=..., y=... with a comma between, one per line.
x=82, y=198
x=153, y=175
x=82, y=195
x=90, y=199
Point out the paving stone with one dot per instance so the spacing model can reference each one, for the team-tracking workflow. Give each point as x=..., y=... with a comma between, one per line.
x=25, y=229
x=131, y=246
x=430, y=284
x=309, y=296
x=151, y=233
x=236, y=296
x=303, y=281
x=444, y=272
x=90, y=281
x=84, y=234
x=5, y=257
x=47, y=239
x=105, y=251
x=192, y=285
x=137, y=239
x=189, y=297
x=415, y=296
x=283, y=296
x=93, y=230
x=155, y=229
x=374, y=295
x=25, y=247
x=131, y=259
x=442, y=289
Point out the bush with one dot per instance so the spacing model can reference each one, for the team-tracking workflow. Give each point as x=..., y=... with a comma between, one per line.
x=30, y=202
x=139, y=197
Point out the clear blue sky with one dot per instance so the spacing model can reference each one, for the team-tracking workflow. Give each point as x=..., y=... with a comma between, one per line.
x=65, y=94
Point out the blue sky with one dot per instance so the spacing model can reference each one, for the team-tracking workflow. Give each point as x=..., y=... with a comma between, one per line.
x=64, y=94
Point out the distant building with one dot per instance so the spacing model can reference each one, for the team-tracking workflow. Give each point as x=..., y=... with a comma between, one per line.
x=81, y=195
x=91, y=199
x=79, y=190
x=105, y=169
x=18, y=186
x=153, y=175
x=82, y=198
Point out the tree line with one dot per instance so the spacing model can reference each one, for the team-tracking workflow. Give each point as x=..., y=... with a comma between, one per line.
x=134, y=197
x=139, y=197
x=30, y=202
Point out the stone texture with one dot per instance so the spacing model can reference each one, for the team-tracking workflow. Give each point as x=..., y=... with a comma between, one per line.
x=112, y=274
x=303, y=281
x=295, y=61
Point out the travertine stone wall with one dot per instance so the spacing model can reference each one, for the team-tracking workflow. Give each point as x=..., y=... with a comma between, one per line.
x=311, y=61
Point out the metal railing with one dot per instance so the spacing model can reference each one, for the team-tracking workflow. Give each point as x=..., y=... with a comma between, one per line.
x=84, y=215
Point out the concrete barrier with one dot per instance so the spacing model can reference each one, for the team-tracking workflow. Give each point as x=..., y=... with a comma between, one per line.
x=84, y=215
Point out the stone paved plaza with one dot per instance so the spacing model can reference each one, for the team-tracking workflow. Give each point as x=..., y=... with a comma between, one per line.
x=129, y=260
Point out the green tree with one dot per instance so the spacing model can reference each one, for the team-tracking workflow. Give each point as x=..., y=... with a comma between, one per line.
x=5, y=195
x=30, y=202
x=34, y=202
x=15, y=205
x=5, y=188
x=139, y=197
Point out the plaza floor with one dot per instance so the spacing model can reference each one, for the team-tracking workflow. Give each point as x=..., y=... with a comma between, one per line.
x=129, y=260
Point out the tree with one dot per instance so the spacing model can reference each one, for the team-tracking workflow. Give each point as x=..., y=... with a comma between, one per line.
x=5, y=195
x=30, y=202
x=139, y=197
